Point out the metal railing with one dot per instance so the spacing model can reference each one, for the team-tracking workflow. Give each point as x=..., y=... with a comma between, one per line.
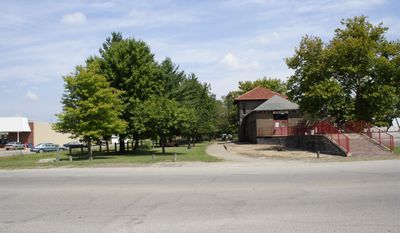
x=383, y=138
x=323, y=127
x=288, y=131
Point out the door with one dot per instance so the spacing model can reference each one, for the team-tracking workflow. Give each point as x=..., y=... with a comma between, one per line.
x=280, y=127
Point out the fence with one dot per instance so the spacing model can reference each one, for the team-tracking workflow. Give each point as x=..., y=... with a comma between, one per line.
x=334, y=134
x=383, y=138
x=288, y=131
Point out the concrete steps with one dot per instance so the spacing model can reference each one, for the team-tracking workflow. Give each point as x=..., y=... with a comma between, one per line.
x=361, y=145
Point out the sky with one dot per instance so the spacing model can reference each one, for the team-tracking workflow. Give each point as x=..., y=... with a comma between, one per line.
x=222, y=42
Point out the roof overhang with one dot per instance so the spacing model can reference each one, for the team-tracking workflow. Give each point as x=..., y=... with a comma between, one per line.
x=14, y=124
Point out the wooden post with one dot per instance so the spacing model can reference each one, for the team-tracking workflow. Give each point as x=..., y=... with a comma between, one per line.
x=82, y=148
x=115, y=146
x=379, y=136
x=70, y=158
x=175, y=157
x=153, y=157
x=70, y=151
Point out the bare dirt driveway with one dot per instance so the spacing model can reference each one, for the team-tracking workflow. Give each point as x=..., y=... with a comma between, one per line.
x=238, y=196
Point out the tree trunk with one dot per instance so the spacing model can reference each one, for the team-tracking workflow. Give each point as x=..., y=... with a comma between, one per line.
x=162, y=141
x=107, y=146
x=89, y=142
x=121, y=144
x=136, y=144
x=189, y=146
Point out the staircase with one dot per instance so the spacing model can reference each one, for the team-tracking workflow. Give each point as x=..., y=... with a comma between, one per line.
x=362, y=145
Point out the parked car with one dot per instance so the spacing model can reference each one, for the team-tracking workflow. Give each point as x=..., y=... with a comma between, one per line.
x=74, y=144
x=46, y=147
x=14, y=146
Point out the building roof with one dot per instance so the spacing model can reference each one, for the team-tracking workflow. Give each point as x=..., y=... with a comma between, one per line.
x=277, y=103
x=14, y=124
x=258, y=93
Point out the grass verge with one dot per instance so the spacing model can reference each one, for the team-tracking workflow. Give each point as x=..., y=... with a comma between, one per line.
x=104, y=159
x=397, y=150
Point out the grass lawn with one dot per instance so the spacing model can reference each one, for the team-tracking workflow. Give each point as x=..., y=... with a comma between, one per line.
x=397, y=150
x=197, y=153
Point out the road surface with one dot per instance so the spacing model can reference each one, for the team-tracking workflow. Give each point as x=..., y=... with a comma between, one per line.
x=273, y=196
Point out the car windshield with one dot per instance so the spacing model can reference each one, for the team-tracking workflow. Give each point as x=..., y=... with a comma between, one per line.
x=12, y=143
x=40, y=145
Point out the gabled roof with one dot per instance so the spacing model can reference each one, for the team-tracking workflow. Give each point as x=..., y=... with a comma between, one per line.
x=258, y=93
x=277, y=103
x=14, y=124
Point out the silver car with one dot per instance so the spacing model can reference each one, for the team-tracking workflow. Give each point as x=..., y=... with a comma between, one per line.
x=14, y=146
x=45, y=147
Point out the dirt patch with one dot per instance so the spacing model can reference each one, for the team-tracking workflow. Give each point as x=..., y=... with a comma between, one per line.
x=281, y=152
x=272, y=151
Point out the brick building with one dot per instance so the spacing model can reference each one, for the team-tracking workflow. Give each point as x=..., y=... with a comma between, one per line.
x=265, y=113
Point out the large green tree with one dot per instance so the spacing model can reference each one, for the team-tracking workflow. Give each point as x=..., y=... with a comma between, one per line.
x=198, y=96
x=353, y=77
x=164, y=118
x=91, y=108
x=129, y=66
x=274, y=84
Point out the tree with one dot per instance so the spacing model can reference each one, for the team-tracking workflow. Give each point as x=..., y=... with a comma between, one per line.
x=164, y=117
x=91, y=108
x=230, y=118
x=171, y=79
x=196, y=95
x=129, y=65
x=276, y=85
x=353, y=77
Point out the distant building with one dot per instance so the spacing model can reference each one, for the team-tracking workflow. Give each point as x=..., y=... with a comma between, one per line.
x=14, y=129
x=265, y=113
x=30, y=133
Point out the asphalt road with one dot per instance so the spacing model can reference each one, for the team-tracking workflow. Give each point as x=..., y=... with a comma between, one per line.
x=272, y=196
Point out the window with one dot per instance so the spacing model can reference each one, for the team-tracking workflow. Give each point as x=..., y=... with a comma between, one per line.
x=280, y=116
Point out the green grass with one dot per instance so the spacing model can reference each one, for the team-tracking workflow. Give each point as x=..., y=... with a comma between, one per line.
x=111, y=159
x=397, y=150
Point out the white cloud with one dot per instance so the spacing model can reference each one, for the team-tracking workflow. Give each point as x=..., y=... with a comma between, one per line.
x=31, y=96
x=267, y=38
x=74, y=18
x=230, y=60
x=235, y=62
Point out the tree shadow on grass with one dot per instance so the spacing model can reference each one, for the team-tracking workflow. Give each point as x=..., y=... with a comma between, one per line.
x=113, y=154
x=137, y=153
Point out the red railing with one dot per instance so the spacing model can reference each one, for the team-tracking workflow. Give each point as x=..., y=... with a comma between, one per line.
x=288, y=131
x=321, y=127
x=334, y=134
x=381, y=137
